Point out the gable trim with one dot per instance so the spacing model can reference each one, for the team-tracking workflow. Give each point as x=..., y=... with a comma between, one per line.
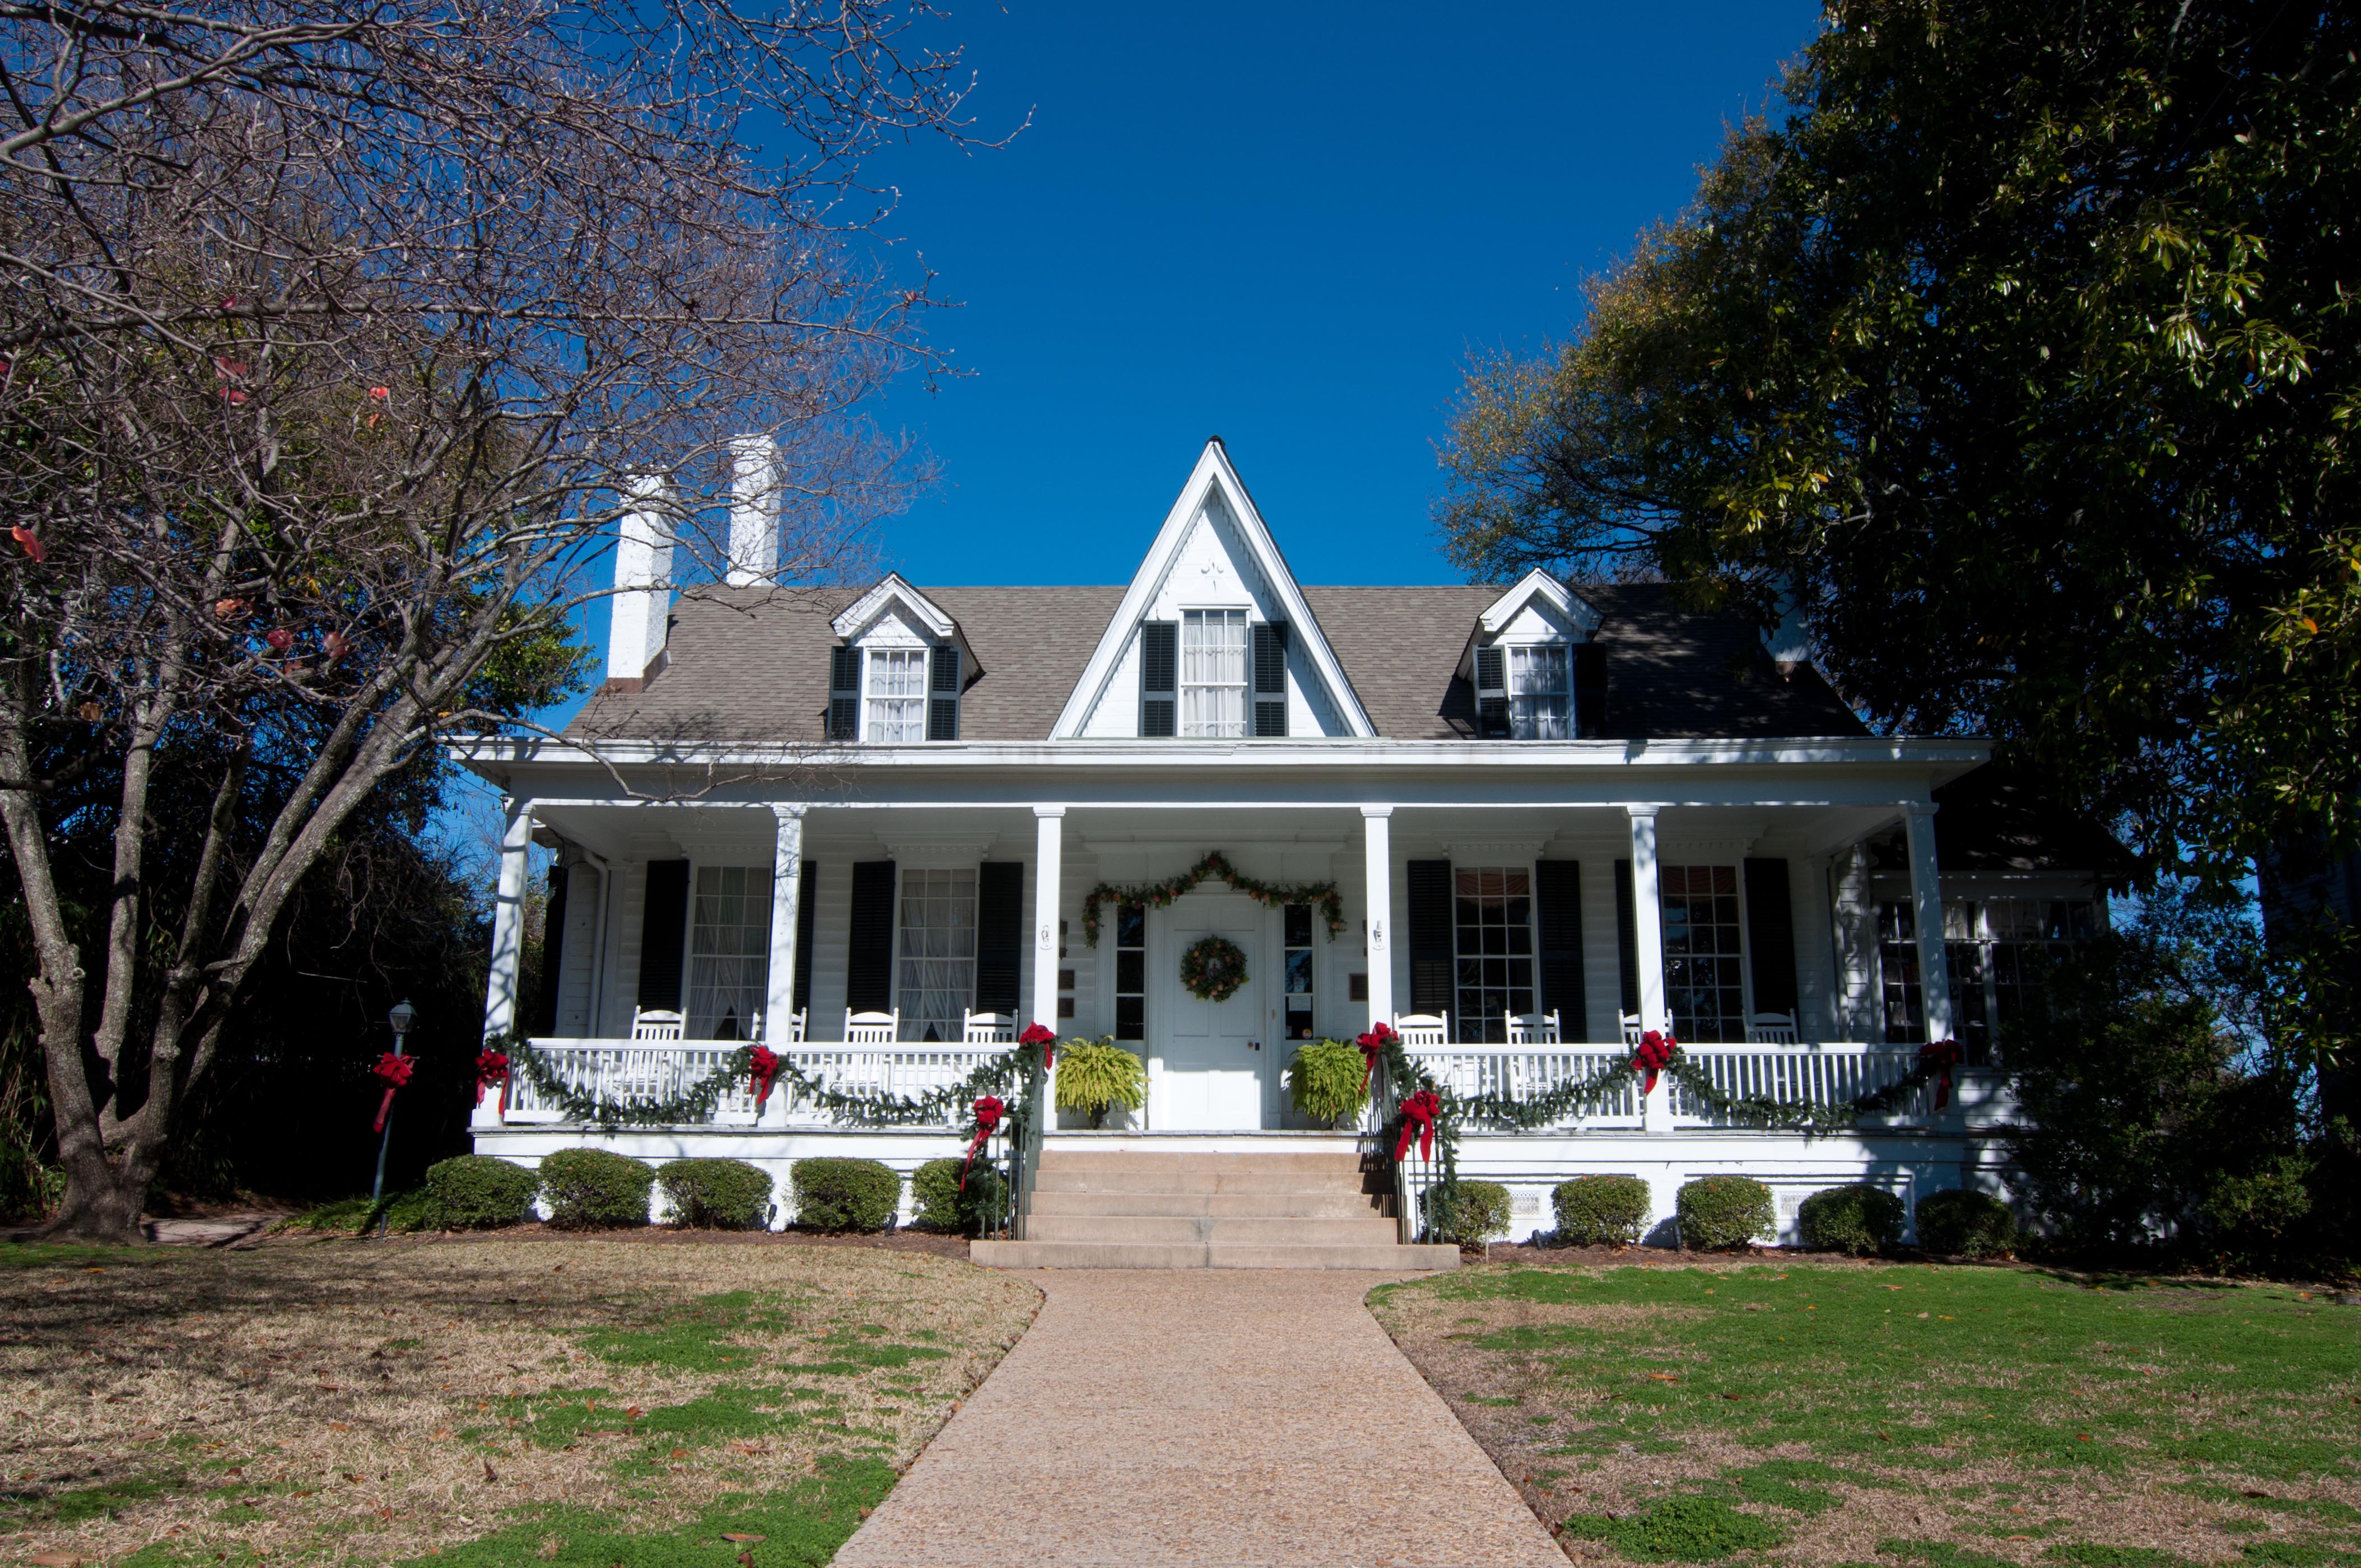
x=1212, y=477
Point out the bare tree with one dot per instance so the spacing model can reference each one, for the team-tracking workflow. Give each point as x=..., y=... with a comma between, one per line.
x=332, y=331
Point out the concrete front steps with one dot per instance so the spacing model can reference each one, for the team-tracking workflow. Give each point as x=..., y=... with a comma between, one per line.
x=1140, y=1208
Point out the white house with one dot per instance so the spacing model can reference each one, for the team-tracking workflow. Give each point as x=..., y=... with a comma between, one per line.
x=1550, y=816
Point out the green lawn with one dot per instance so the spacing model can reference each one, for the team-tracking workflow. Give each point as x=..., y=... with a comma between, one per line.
x=1956, y=1417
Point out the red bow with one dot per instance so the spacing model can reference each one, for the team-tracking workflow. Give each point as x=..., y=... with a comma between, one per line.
x=988, y=1118
x=1654, y=1054
x=1040, y=1034
x=1940, y=1057
x=492, y=1067
x=762, y=1065
x=395, y=1070
x=1417, y=1118
x=1373, y=1046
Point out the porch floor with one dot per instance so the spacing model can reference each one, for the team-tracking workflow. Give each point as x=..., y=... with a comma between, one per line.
x=1203, y=1417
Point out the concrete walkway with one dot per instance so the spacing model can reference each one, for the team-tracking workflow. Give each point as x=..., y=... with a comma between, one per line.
x=1203, y=1416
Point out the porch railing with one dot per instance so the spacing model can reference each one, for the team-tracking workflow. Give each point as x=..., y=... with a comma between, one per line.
x=625, y=1070
x=1826, y=1074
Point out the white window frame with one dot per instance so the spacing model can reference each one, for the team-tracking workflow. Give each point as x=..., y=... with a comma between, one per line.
x=1682, y=1025
x=947, y=1023
x=1192, y=723
x=885, y=714
x=1525, y=713
x=694, y=1025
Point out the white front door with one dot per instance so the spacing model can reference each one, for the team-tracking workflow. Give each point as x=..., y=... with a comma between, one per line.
x=1212, y=1076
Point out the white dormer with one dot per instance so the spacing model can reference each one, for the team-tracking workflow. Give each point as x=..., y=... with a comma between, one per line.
x=1534, y=663
x=895, y=674
x=1213, y=640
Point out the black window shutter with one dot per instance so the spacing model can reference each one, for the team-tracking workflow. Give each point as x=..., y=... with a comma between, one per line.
x=1160, y=677
x=1430, y=936
x=999, y=935
x=807, y=930
x=1627, y=940
x=868, y=958
x=663, y=931
x=1590, y=691
x=1491, y=692
x=844, y=694
x=943, y=694
x=1770, y=932
x=553, y=955
x=1557, y=899
x=1270, y=677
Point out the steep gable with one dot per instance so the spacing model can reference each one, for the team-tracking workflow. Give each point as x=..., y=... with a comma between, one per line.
x=1213, y=553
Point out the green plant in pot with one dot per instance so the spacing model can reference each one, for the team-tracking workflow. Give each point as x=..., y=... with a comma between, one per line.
x=1098, y=1077
x=1328, y=1081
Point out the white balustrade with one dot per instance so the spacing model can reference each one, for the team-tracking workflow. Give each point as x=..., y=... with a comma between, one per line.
x=623, y=1071
x=1526, y=1072
x=1828, y=1075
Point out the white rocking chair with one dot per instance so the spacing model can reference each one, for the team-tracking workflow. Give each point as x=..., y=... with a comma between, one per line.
x=986, y=1028
x=1422, y=1030
x=656, y=1023
x=872, y=1028
x=1771, y=1029
x=1534, y=1029
x=1631, y=1030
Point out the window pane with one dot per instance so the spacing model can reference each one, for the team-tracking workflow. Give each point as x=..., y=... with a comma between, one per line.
x=1704, y=984
x=937, y=953
x=1493, y=913
x=898, y=695
x=728, y=951
x=1213, y=674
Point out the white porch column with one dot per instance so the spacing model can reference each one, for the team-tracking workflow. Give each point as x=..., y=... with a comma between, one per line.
x=1926, y=915
x=786, y=895
x=1648, y=952
x=1049, y=869
x=1377, y=871
x=507, y=921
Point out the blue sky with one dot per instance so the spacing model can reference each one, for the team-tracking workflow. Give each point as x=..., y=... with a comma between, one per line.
x=1286, y=224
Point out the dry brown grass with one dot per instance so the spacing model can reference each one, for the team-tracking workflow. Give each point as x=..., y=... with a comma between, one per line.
x=331, y=1400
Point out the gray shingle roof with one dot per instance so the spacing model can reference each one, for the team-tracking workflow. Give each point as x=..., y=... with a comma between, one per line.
x=749, y=665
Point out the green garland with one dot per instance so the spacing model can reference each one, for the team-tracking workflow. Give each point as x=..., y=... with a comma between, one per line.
x=1158, y=894
x=947, y=1106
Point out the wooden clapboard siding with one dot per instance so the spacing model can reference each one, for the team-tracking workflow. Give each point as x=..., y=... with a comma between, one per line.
x=579, y=964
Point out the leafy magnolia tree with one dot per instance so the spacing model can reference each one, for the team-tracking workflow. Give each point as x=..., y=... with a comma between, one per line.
x=2016, y=350
x=332, y=334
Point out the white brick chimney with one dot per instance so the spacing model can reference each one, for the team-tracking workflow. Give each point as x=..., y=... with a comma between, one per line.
x=643, y=599
x=753, y=511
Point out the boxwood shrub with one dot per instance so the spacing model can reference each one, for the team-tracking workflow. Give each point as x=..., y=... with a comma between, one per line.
x=833, y=1194
x=941, y=1204
x=591, y=1189
x=1601, y=1211
x=1718, y=1212
x=1471, y=1213
x=473, y=1191
x=716, y=1194
x=1859, y=1220
x=1966, y=1224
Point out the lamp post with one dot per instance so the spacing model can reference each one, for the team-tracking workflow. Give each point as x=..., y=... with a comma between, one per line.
x=401, y=1017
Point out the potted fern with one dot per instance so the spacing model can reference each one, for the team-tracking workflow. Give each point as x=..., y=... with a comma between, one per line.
x=1096, y=1077
x=1328, y=1080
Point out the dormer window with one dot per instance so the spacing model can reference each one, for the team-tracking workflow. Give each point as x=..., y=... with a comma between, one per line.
x=1537, y=669
x=896, y=678
x=895, y=709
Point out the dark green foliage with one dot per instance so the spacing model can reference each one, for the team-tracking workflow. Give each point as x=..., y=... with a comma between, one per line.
x=943, y=1205
x=1959, y=1222
x=1468, y=1213
x=1718, y=1212
x=833, y=1194
x=1601, y=1211
x=595, y=1189
x=716, y=1194
x=1861, y=1220
x=472, y=1191
x=1680, y=1529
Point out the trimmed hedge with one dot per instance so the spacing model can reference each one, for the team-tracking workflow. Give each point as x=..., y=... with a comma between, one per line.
x=1966, y=1224
x=475, y=1191
x=943, y=1206
x=716, y=1194
x=835, y=1194
x=1601, y=1211
x=1471, y=1214
x=1861, y=1220
x=1719, y=1212
x=590, y=1189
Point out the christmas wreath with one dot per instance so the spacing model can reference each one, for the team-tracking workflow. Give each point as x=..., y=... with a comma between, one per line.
x=1212, y=968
